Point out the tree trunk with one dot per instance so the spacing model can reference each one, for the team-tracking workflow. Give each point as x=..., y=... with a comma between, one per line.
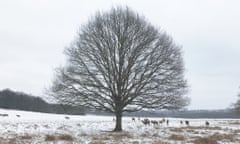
x=118, y=126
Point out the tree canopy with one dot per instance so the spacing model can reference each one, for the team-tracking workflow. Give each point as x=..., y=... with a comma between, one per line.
x=120, y=62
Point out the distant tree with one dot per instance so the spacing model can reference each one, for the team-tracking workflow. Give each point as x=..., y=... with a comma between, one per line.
x=120, y=63
x=21, y=101
x=236, y=105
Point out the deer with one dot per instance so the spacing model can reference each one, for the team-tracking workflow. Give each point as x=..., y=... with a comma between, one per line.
x=146, y=122
x=207, y=123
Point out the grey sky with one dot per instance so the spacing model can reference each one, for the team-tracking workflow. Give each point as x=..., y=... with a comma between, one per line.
x=33, y=35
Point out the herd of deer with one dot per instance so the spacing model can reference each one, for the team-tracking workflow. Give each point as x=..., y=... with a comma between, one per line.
x=6, y=115
x=146, y=121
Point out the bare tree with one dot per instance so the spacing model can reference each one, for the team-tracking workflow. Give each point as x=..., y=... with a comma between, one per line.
x=236, y=105
x=120, y=63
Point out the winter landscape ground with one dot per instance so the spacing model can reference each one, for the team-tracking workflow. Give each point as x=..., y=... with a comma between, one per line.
x=22, y=127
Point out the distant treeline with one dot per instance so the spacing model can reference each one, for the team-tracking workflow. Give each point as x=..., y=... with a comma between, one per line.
x=20, y=101
x=192, y=114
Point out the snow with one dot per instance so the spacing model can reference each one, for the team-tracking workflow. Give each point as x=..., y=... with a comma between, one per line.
x=88, y=129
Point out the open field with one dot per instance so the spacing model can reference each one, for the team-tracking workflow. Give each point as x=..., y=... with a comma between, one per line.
x=32, y=128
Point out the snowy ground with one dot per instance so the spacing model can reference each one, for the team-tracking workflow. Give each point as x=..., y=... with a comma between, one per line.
x=28, y=127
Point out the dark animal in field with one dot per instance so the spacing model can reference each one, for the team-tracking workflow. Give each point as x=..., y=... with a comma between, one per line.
x=181, y=122
x=154, y=122
x=66, y=117
x=163, y=120
x=160, y=122
x=187, y=123
x=133, y=119
x=146, y=122
x=18, y=116
x=4, y=115
x=207, y=123
x=167, y=122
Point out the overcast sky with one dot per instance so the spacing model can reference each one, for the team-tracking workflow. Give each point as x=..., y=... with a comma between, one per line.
x=33, y=34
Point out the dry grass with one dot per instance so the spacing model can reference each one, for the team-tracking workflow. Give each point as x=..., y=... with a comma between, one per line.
x=176, y=129
x=50, y=138
x=159, y=142
x=176, y=137
x=122, y=135
x=17, y=140
x=117, y=137
x=155, y=135
x=204, y=140
x=236, y=131
x=97, y=142
x=100, y=138
x=203, y=128
x=213, y=139
x=25, y=137
x=145, y=135
x=63, y=137
x=234, y=122
x=190, y=131
x=83, y=134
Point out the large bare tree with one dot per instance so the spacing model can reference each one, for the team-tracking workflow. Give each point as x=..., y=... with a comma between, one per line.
x=118, y=63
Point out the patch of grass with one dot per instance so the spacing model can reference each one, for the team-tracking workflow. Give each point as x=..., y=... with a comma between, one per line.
x=237, y=131
x=135, y=142
x=234, y=122
x=159, y=142
x=84, y=134
x=204, y=128
x=50, y=138
x=97, y=142
x=155, y=135
x=190, y=131
x=213, y=139
x=176, y=137
x=63, y=137
x=123, y=135
x=176, y=129
x=146, y=134
x=204, y=140
x=25, y=137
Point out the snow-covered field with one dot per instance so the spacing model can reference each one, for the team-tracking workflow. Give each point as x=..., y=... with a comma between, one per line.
x=36, y=128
